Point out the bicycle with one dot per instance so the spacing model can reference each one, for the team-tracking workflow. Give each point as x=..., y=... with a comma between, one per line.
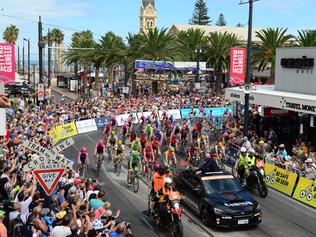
x=110, y=150
x=133, y=179
x=148, y=169
x=117, y=164
x=82, y=169
x=99, y=161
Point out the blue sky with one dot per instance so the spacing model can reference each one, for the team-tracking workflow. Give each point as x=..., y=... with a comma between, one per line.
x=122, y=16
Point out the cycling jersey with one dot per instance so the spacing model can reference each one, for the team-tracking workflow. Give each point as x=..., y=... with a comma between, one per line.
x=83, y=157
x=119, y=149
x=113, y=139
x=100, y=147
x=135, y=159
x=136, y=144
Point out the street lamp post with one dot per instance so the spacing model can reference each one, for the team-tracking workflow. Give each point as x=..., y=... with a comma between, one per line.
x=18, y=59
x=23, y=69
x=198, y=51
x=28, y=60
x=246, y=109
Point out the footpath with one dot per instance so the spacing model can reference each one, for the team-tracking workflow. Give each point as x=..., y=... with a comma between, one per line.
x=62, y=91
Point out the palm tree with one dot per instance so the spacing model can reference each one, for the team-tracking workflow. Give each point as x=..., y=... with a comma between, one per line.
x=11, y=34
x=188, y=41
x=57, y=37
x=112, y=52
x=158, y=45
x=218, y=53
x=80, y=52
x=306, y=38
x=271, y=39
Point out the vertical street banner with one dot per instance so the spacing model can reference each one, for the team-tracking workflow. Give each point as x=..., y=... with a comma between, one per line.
x=40, y=92
x=237, y=66
x=7, y=63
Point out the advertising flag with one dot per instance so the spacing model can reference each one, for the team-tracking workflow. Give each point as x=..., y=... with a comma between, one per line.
x=237, y=66
x=7, y=63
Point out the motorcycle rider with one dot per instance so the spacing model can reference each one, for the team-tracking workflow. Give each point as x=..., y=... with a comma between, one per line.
x=163, y=195
x=241, y=165
x=157, y=183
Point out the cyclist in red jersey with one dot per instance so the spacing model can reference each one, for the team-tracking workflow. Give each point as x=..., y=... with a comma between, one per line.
x=173, y=141
x=106, y=132
x=156, y=146
x=143, y=141
x=149, y=153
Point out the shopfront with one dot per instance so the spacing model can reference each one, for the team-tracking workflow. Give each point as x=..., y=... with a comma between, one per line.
x=295, y=90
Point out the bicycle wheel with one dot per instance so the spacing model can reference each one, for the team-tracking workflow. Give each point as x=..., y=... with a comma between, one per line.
x=136, y=184
x=129, y=178
x=109, y=155
x=98, y=169
x=118, y=169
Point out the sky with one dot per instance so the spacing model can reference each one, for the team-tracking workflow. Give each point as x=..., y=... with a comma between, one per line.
x=122, y=16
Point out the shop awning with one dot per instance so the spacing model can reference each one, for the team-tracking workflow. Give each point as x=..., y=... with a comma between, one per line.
x=266, y=95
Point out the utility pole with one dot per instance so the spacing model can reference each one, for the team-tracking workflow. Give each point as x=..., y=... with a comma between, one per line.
x=197, y=78
x=40, y=49
x=248, y=72
x=28, y=61
x=126, y=74
x=49, y=43
x=23, y=69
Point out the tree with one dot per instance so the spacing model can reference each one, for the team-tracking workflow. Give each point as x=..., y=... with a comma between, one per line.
x=80, y=52
x=239, y=25
x=112, y=52
x=188, y=41
x=158, y=45
x=221, y=20
x=306, y=38
x=200, y=14
x=11, y=34
x=57, y=37
x=271, y=39
x=218, y=53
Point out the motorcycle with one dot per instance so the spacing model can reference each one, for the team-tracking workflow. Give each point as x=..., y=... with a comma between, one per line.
x=257, y=178
x=169, y=214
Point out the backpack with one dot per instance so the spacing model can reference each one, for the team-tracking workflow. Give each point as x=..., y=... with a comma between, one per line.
x=83, y=157
x=16, y=227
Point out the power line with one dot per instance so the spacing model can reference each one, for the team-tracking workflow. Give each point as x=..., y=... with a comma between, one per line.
x=47, y=24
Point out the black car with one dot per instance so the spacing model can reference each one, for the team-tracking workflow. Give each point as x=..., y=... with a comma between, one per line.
x=21, y=89
x=218, y=198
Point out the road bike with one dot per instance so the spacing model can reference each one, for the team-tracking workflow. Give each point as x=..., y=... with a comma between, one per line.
x=133, y=179
x=82, y=169
x=117, y=164
x=99, y=161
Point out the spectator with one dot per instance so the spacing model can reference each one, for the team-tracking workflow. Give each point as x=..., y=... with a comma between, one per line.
x=3, y=229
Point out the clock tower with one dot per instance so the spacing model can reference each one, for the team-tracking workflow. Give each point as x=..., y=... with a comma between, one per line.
x=148, y=16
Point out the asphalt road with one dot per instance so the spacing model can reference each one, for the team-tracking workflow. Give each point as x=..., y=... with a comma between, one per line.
x=282, y=216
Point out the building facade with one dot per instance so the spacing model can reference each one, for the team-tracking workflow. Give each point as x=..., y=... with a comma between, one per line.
x=148, y=16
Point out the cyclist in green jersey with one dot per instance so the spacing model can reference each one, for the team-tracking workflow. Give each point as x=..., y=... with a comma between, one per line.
x=134, y=160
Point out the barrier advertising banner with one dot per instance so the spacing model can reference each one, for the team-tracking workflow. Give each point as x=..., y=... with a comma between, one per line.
x=305, y=191
x=122, y=118
x=7, y=63
x=237, y=66
x=85, y=126
x=65, y=131
x=101, y=122
x=174, y=112
x=215, y=112
x=280, y=179
x=53, y=134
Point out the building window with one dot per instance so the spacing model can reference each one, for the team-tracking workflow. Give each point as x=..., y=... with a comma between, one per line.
x=148, y=24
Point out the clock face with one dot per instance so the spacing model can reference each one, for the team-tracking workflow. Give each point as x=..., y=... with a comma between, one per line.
x=149, y=10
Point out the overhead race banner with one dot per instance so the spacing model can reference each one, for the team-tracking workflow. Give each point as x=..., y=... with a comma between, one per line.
x=7, y=63
x=280, y=179
x=305, y=191
x=237, y=66
x=85, y=126
x=167, y=65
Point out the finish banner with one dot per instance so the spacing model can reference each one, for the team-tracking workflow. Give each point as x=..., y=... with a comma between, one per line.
x=306, y=191
x=237, y=66
x=7, y=63
x=280, y=179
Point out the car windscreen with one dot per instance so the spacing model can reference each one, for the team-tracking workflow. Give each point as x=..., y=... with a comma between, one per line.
x=219, y=186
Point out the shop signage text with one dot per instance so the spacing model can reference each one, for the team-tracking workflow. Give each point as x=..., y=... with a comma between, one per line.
x=302, y=107
x=297, y=63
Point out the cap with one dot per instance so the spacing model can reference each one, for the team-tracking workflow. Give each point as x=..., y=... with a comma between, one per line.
x=281, y=146
x=60, y=215
x=243, y=149
x=2, y=213
x=309, y=160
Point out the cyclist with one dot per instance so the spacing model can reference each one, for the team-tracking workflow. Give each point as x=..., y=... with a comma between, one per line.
x=99, y=149
x=170, y=154
x=111, y=142
x=106, y=132
x=156, y=146
x=149, y=131
x=124, y=131
x=173, y=141
x=136, y=145
x=143, y=141
x=113, y=122
x=134, y=162
x=119, y=151
x=149, y=156
x=83, y=158
x=191, y=153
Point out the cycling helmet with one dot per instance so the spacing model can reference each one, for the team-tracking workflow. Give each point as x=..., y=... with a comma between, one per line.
x=167, y=180
x=113, y=132
x=83, y=149
x=119, y=142
x=171, y=148
x=243, y=149
x=157, y=167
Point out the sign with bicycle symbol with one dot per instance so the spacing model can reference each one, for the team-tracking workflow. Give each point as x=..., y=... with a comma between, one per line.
x=280, y=179
x=306, y=191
